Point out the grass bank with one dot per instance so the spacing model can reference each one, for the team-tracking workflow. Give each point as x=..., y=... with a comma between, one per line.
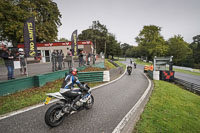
x=30, y=96
x=170, y=110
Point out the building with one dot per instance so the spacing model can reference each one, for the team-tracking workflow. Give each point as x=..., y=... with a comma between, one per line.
x=45, y=49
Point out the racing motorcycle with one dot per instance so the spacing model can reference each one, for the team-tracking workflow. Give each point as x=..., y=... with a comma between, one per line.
x=129, y=70
x=56, y=113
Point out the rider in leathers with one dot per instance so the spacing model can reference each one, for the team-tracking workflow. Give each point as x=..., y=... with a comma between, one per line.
x=68, y=90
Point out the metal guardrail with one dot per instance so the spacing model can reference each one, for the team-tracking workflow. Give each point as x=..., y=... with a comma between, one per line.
x=188, y=85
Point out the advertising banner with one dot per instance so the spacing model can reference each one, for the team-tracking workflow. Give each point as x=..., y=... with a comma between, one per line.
x=30, y=47
x=74, y=45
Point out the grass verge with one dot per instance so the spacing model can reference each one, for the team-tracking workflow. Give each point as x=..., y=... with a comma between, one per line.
x=120, y=64
x=108, y=65
x=170, y=110
x=30, y=96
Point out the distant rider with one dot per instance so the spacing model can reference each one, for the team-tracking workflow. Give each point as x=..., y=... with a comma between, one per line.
x=129, y=68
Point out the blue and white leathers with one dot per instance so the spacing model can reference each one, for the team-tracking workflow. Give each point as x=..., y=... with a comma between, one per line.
x=67, y=88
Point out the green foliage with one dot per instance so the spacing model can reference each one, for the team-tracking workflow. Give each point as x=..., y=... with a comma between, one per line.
x=125, y=47
x=151, y=43
x=179, y=49
x=109, y=65
x=13, y=14
x=195, y=46
x=63, y=40
x=102, y=39
x=170, y=110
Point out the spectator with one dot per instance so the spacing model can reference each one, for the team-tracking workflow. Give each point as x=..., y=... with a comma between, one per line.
x=88, y=59
x=54, y=60
x=81, y=58
x=84, y=58
x=22, y=61
x=60, y=60
x=8, y=57
x=69, y=58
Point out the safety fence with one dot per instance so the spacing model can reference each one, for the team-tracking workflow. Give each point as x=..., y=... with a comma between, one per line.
x=188, y=85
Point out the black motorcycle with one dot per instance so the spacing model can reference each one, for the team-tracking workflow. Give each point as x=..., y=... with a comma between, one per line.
x=129, y=70
x=56, y=113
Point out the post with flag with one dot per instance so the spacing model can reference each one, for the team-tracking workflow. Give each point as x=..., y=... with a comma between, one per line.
x=74, y=46
x=30, y=47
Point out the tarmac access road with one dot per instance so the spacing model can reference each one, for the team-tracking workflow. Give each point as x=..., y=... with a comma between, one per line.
x=112, y=103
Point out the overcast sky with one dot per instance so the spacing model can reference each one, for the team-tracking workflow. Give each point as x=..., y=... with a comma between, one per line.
x=126, y=18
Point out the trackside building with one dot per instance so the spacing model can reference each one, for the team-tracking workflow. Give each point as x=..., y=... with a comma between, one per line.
x=45, y=49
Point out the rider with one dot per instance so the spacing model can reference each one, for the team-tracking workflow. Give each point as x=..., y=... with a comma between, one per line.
x=129, y=67
x=67, y=89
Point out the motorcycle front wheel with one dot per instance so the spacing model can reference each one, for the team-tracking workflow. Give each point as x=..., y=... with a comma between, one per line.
x=53, y=116
x=89, y=103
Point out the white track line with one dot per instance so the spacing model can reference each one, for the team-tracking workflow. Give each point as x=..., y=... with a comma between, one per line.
x=123, y=122
x=42, y=104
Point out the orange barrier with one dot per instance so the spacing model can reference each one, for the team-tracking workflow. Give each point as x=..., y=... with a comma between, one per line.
x=151, y=68
x=146, y=68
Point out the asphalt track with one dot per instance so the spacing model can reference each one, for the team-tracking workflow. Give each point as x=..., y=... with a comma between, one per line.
x=112, y=103
x=188, y=77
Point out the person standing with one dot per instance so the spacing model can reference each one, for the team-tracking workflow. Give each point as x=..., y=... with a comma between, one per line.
x=80, y=58
x=54, y=60
x=88, y=59
x=69, y=58
x=60, y=60
x=8, y=57
x=22, y=61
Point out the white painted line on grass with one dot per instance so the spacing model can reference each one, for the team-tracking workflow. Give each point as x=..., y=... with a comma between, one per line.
x=124, y=121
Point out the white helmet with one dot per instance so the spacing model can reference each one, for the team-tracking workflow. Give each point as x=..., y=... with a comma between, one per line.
x=21, y=50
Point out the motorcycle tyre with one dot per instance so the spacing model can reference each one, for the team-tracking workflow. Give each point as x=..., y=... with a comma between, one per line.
x=89, y=106
x=48, y=116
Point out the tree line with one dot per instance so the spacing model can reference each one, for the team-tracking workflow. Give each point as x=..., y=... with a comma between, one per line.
x=13, y=14
x=151, y=43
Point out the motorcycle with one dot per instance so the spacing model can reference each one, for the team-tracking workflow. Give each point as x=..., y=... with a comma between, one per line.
x=129, y=70
x=56, y=113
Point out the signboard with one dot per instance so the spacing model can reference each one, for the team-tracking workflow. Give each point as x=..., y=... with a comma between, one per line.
x=30, y=38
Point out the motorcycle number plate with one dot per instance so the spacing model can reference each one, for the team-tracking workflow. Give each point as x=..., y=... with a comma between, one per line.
x=48, y=99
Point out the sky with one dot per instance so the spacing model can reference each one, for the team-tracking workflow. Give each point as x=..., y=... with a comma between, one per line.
x=126, y=18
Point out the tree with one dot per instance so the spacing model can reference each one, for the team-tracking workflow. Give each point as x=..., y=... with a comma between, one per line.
x=124, y=48
x=14, y=13
x=151, y=43
x=195, y=46
x=63, y=40
x=100, y=36
x=179, y=49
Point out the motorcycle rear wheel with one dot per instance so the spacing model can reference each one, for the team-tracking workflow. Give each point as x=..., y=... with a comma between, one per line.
x=51, y=116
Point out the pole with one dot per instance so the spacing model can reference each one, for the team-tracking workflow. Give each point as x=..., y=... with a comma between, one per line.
x=105, y=50
x=26, y=67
